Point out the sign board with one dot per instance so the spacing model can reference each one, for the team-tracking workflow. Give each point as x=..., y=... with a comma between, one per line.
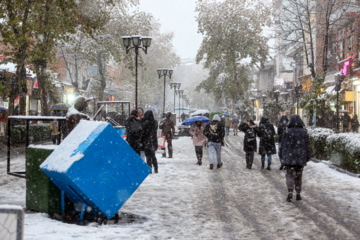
x=11, y=222
x=161, y=140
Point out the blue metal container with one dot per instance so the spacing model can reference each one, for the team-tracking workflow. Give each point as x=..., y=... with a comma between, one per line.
x=96, y=168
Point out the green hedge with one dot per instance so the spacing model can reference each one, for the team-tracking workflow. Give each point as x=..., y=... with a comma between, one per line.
x=37, y=132
x=319, y=147
x=344, y=149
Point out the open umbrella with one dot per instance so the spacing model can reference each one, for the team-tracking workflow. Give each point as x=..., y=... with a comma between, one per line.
x=190, y=121
x=60, y=107
x=199, y=112
x=3, y=109
x=182, y=109
x=225, y=114
x=344, y=111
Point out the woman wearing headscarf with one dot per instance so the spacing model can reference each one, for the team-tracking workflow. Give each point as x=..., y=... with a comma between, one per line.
x=149, y=138
x=295, y=152
x=281, y=128
x=199, y=139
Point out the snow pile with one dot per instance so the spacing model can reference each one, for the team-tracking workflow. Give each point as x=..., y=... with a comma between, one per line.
x=350, y=142
x=317, y=133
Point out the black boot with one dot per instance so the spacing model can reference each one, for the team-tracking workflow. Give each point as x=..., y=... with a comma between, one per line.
x=200, y=162
x=298, y=197
x=268, y=167
x=281, y=167
x=289, y=197
x=262, y=165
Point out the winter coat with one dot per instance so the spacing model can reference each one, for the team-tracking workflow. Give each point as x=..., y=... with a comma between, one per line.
x=282, y=125
x=134, y=133
x=295, y=144
x=346, y=120
x=199, y=138
x=54, y=128
x=149, y=135
x=354, y=123
x=73, y=117
x=227, y=122
x=220, y=131
x=267, y=146
x=249, y=145
x=235, y=121
x=167, y=126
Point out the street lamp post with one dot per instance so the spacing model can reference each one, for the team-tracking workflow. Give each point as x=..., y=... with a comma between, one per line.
x=175, y=85
x=136, y=42
x=164, y=72
x=277, y=93
x=339, y=79
x=181, y=92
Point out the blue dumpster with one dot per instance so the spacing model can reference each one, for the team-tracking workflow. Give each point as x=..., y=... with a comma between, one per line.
x=96, y=168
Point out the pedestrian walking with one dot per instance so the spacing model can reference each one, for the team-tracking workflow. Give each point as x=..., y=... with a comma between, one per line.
x=215, y=132
x=54, y=127
x=149, y=138
x=250, y=129
x=267, y=143
x=134, y=131
x=281, y=128
x=199, y=139
x=355, y=124
x=235, y=122
x=168, y=130
x=183, y=117
x=295, y=152
x=227, y=124
x=346, y=122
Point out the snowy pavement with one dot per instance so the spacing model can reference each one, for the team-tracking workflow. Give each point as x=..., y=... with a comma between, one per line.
x=187, y=201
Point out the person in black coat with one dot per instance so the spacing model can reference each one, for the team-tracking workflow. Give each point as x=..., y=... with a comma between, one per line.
x=295, y=152
x=133, y=131
x=282, y=128
x=149, y=138
x=250, y=129
x=355, y=124
x=267, y=143
x=346, y=122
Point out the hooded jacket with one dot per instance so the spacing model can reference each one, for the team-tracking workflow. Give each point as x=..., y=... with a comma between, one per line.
x=134, y=131
x=149, y=136
x=267, y=146
x=249, y=145
x=295, y=145
x=218, y=126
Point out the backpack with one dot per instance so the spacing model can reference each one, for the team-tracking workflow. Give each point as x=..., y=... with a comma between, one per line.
x=251, y=137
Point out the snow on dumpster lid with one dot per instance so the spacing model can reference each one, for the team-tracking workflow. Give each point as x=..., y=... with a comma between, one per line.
x=63, y=156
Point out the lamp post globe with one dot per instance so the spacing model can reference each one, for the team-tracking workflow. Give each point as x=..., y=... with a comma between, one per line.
x=135, y=42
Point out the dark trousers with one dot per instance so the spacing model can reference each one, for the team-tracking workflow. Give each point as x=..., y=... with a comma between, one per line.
x=170, y=148
x=249, y=158
x=151, y=159
x=294, y=178
x=199, y=152
x=55, y=139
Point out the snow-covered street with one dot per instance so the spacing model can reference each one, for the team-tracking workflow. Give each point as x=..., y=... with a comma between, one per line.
x=187, y=201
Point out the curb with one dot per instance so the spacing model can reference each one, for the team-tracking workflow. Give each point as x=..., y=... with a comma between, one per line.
x=336, y=168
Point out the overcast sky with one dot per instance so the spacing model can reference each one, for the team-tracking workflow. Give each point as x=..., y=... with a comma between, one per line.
x=176, y=16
